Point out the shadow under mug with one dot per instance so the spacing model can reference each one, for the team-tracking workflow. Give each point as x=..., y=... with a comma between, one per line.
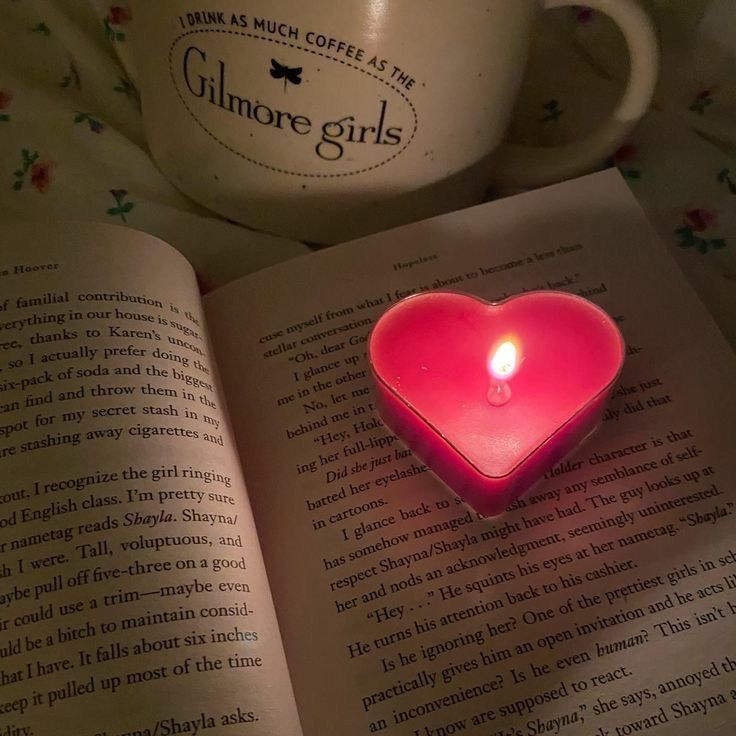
x=327, y=121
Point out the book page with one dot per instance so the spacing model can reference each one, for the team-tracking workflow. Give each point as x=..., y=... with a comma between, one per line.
x=133, y=598
x=602, y=603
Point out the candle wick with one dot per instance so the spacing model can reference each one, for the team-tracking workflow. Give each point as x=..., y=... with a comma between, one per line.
x=499, y=393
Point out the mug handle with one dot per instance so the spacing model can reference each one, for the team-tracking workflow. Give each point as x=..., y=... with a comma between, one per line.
x=529, y=166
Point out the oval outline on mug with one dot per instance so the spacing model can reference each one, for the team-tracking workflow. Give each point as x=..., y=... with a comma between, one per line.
x=300, y=48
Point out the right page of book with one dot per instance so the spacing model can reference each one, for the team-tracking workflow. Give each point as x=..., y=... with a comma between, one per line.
x=602, y=603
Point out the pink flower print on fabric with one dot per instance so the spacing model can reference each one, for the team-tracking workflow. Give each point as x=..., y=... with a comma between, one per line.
x=117, y=16
x=702, y=100
x=696, y=231
x=5, y=98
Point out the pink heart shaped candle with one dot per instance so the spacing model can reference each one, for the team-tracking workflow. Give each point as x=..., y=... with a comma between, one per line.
x=491, y=395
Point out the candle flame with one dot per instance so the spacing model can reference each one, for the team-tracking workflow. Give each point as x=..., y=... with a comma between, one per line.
x=503, y=362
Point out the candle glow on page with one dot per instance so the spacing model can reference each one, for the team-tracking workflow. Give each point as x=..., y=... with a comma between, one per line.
x=491, y=395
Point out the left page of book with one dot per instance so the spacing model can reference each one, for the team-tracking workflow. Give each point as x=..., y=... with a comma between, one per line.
x=133, y=597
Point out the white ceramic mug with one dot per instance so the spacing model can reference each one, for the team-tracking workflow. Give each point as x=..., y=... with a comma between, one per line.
x=325, y=121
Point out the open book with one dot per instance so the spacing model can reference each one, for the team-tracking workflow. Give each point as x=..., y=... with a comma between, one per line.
x=144, y=590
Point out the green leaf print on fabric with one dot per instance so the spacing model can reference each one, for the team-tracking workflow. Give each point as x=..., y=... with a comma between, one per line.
x=122, y=208
x=94, y=124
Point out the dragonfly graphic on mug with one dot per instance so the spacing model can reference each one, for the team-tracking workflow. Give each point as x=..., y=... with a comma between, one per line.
x=287, y=73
